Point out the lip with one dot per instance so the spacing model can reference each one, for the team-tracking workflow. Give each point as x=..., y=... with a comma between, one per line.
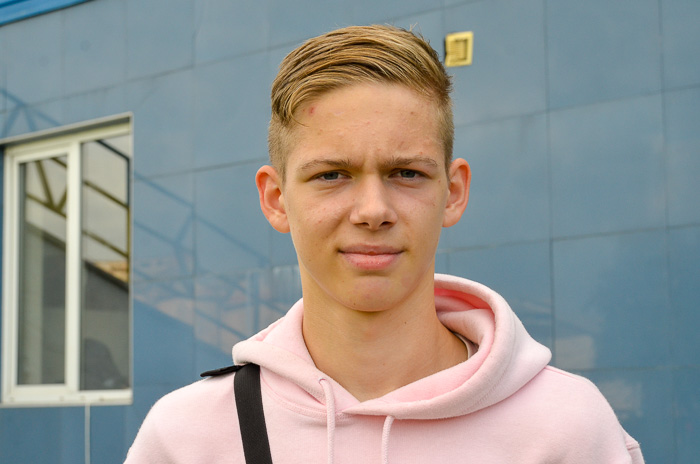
x=370, y=257
x=371, y=249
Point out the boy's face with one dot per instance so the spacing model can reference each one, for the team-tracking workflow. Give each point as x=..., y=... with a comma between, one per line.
x=366, y=195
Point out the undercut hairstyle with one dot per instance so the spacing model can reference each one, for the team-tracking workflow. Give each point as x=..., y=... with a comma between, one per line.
x=356, y=55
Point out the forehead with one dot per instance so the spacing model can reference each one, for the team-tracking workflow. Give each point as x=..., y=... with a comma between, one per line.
x=381, y=119
x=373, y=97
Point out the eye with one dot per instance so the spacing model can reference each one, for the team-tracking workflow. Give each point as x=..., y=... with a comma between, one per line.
x=408, y=174
x=331, y=175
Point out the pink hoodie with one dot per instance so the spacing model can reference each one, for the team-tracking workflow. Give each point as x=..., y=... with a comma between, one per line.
x=503, y=405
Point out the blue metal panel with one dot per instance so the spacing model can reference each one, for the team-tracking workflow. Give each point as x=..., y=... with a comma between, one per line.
x=600, y=50
x=236, y=117
x=165, y=107
x=92, y=35
x=42, y=435
x=163, y=227
x=610, y=297
x=605, y=162
x=521, y=191
x=14, y=10
x=164, y=357
x=508, y=76
x=160, y=42
x=225, y=219
x=33, y=54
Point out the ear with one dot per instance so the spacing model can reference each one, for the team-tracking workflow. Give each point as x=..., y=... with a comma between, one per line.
x=458, y=194
x=271, y=198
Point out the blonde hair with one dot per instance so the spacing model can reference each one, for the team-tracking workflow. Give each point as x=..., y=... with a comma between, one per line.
x=352, y=55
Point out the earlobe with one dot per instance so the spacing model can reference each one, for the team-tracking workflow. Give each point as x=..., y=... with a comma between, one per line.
x=272, y=205
x=458, y=194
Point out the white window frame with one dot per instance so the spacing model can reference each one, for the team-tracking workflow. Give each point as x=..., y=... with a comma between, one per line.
x=69, y=393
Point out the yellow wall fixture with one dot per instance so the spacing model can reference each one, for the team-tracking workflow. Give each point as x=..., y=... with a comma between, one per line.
x=458, y=49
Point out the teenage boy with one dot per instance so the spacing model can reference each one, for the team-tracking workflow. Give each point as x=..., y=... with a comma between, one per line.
x=382, y=360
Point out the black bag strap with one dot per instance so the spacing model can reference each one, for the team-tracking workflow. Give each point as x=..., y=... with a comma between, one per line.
x=251, y=418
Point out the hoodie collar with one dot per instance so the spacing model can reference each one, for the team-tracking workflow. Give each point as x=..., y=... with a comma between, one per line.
x=507, y=359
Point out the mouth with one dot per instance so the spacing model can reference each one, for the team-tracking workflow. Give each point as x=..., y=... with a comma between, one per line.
x=371, y=257
x=371, y=250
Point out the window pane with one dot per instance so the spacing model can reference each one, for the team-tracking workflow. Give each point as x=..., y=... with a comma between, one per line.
x=105, y=264
x=42, y=272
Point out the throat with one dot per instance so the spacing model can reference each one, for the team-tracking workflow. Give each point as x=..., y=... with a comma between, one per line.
x=371, y=362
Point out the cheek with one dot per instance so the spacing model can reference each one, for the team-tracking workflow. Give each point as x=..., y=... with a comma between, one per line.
x=426, y=218
x=422, y=207
x=311, y=225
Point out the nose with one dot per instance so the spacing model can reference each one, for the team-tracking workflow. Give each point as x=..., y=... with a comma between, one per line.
x=373, y=206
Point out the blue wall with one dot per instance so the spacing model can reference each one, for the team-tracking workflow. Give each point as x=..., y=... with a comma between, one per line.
x=581, y=121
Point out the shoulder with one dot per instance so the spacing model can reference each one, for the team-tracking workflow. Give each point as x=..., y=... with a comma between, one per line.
x=572, y=396
x=204, y=393
x=572, y=409
x=205, y=403
x=189, y=424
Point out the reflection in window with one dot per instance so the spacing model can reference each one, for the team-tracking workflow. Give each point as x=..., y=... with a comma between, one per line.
x=105, y=264
x=42, y=262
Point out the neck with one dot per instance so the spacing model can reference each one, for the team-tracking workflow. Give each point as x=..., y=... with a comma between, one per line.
x=373, y=353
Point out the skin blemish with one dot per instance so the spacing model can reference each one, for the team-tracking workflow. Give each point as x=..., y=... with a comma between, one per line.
x=311, y=110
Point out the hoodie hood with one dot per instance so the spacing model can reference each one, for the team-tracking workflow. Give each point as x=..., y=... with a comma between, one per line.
x=507, y=359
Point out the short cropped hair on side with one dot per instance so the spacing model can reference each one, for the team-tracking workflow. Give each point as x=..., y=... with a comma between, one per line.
x=356, y=55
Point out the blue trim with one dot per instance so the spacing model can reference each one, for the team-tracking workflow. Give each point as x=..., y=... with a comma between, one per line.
x=14, y=10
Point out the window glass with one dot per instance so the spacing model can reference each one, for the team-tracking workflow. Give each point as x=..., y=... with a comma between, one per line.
x=105, y=264
x=42, y=270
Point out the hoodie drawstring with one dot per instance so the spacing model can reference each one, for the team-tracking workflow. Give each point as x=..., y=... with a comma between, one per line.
x=330, y=417
x=330, y=424
x=385, y=438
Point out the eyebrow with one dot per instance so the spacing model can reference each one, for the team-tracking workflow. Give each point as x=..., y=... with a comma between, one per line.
x=393, y=163
x=326, y=162
x=399, y=161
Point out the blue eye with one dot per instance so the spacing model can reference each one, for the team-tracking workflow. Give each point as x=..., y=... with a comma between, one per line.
x=408, y=174
x=333, y=175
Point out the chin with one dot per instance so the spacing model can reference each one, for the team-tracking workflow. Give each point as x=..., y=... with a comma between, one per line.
x=375, y=297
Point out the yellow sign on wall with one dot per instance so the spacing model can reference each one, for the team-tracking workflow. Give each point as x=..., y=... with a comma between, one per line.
x=458, y=49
